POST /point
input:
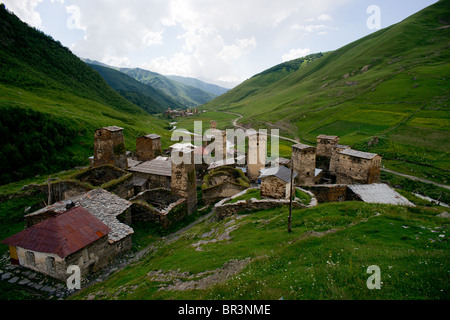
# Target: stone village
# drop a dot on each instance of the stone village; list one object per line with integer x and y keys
{"x": 88, "y": 227}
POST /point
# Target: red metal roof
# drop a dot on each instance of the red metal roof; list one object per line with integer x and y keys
{"x": 63, "y": 234}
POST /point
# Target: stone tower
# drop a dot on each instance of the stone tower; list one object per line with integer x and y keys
{"x": 183, "y": 181}
{"x": 256, "y": 155}
{"x": 304, "y": 163}
{"x": 109, "y": 147}
{"x": 148, "y": 147}
{"x": 325, "y": 145}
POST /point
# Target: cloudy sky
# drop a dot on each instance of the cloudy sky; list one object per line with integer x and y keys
{"x": 222, "y": 42}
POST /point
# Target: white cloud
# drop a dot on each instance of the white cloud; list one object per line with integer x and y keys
{"x": 239, "y": 48}
{"x": 295, "y": 54}
{"x": 25, "y": 10}
{"x": 153, "y": 38}
{"x": 324, "y": 17}
{"x": 74, "y": 19}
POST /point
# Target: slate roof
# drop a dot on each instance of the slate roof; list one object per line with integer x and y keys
{"x": 62, "y": 234}
{"x": 282, "y": 173}
{"x": 323, "y": 136}
{"x": 103, "y": 205}
{"x": 161, "y": 166}
{"x": 113, "y": 128}
{"x": 302, "y": 146}
{"x": 358, "y": 154}
{"x": 379, "y": 193}
{"x": 153, "y": 136}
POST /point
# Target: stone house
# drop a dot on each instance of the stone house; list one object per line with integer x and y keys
{"x": 276, "y": 182}
{"x": 109, "y": 208}
{"x": 223, "y": 182}
{"x": 74, "y": 237}
{"x": 304, "y": 163}
{"x": 357, "y": 167}
{"x": 109, "y": 147}
{"x": 148, "y": 147}
{"x": 334, "y": 160}
{"x": 156, "y": 173}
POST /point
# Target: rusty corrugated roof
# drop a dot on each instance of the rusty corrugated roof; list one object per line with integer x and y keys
{"x": 63, "y": 234}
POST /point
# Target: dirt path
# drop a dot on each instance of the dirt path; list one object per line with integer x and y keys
{"x": 234, "y": 122}
{"x": 417, "y": 178}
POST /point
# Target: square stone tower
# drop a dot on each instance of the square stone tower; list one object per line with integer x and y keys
{"x": 148, "y": 147}
{"x": 183, "y": 182}
{"x": 256, "y": 154}
{"x": 304, "y": 164}
{"x": 109, "y": 147}
{"x": 325, "y": 145}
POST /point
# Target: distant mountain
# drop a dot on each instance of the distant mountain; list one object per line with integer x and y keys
{"x": 211, "y": 88}
{"x": 142, "y": 95}
{"x": 51, "y": 102}
{"x": 186, "y": 95}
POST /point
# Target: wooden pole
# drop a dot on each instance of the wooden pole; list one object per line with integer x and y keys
{"x": 290, "y": 198}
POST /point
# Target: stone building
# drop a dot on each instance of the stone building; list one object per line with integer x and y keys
{"x": 91, "y": 226}
{"x": 304, "y": 164}
{"x": 158, "y": 206}
{"x": 75, "y": 237}
{"x": 184, "y": 181}
{"x": 357, "y": 167}
{"x": 334, "y": 160}
{"x": 109, "y": 147}
{"x": 276, "y": 182}
{"x": 256, "y": 154}
{"x": 223, "y": 182}
{"x": 156, "y": 173}
{"x": 148, "y": 147}
{"x": 325, "y": 145}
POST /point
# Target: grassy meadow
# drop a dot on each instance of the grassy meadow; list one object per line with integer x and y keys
{"x": 325, "y": 257}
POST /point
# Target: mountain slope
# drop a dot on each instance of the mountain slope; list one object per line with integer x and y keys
{"x": 186, "y": 95}
{"x": 51, "y": 103}
{"x": 144, "y": 96}
{"x": 392, "y": 84}
{"x": 211, "y": 88}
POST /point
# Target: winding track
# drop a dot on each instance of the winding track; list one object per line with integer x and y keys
{"x": 235, "y": 124}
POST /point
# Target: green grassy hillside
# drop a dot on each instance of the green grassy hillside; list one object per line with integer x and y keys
{"x": 252, "y": 256}
{"x": 393, "y": 84}
{"x": 51, "y": 103}
{"x": 144, "y": 96}
{"x": 186, "y": 95}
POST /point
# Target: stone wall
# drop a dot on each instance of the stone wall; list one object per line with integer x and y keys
{"x": 223, "y": 209}
{"x": 59, "y": 190}
{"x": 273, "y": 187}
{"x": 304, "y": 162}
{"x": 355, "y": 170}
{"x": 100, "y": 175}
{"x": 335, "y": 158}
{"x": 256, "y": 155}
{"x": 325, "y": 145}
{"x": 332, "y": 193}
{"x": 158, "y": 206}
{"x": 148, "y": 147}
{"x": 221, "y": 191}
{"x": 184, "y": 183}
{"x": 109, "y": 147}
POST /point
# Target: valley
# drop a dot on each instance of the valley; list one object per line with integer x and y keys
{"x": 74, "y": 128}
